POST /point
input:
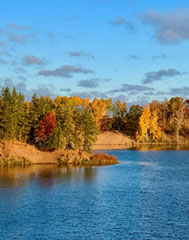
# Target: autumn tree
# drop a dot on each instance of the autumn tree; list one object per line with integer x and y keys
{"x": 73, "y": 122}
{"x": 164, "y": 113}
{"x": 154, "y": 128}
{"x": 144, "y": 124}
{"x": 177, "y": 107}
{"x": 119, "y": 115}
{"x": 98, "y": 109}
{"x": 46, "y": 128}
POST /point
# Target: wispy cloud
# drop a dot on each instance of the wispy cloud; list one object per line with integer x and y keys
{"x": 17, "y": 38}
{"x": 121, "y": 21}
{"x": 40, "y": 90}
{"x": 151, "y": 77}
{"x": 18, "y": 27}
{"x": 20, "y": 70}
{"x": 92, "y": 82}
{"x": 80, "y": 54}
{"x": 33, "y": 60}
{"x": 91, "y": 94}
{"x": 5, "y": 53}
{"x": 183, "y": 91}
{"x": 132, "y": 57}
{"x": 22, "y": 78}
{"x": 89, "y": 83}
{"x": 131, "y": 87}
{"x": 51, "y": 35}
{"x": 2, "y": 61}
{"x": 2, "y": 43}
{"x": 65, "y": 89}
{"x": 169, "y": 27}
{"x": 66, "y": 71}
{"x": 161, "y": 56}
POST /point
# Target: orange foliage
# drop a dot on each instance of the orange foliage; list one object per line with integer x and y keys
{"x": 98, "y": 108}
{"x": 46, "y": 126}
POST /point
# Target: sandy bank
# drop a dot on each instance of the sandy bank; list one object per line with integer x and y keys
{"x": 16, "y": 153}
{"x": 113, "y": 140}
{"x": 117, "y": 140}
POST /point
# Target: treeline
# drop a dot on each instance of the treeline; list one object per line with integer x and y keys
{"x": 48, "y": 124}
{"x": 73, "y": 122}
{"x": 157, "y": 121}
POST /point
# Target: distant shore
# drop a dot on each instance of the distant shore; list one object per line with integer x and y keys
{"x": 115, "y": 140}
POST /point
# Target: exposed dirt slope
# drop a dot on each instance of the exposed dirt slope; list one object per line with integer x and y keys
{"x": 16, "y": 153}
{"x": 113, "y": 140}
{"x": 117, "y": 140}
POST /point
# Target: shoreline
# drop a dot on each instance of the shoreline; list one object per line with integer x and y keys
{"x": 118, "y": 141}
{"x": 140, "y": 147}
{"x": 14, "y": 153}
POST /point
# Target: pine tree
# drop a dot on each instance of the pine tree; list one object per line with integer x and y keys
{"x": 89, "y": 130}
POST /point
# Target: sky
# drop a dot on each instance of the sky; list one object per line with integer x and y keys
{"x": 132, "y": 50}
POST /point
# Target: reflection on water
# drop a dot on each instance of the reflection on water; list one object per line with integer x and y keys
{"x": 45, "y": 175}
{"x": 146, "y": 196}
{"x": 160, "y": 147}
{"x": 147, "y": 147}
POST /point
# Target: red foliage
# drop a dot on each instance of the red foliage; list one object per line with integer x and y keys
{"x": 46, "y": 126}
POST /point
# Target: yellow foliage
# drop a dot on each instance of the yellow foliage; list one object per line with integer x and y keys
{"x": 144, "y": 122}
{"x": 148, "y": 124}
{"x": 120, "y": 108}
{"x": 85, "y": 102}
{"x": 27, "y": 104}
{"x": 155, "y": 130}
{"x": 98, "y": 108}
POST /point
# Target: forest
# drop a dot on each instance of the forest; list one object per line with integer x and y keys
{"x": 74, "y": 123}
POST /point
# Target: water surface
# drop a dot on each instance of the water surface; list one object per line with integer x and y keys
{"x": 146, "y": 196}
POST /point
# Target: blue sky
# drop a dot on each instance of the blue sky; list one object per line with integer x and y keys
{"x": 129, "y": 49}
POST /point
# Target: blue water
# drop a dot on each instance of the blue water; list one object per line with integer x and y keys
{"x": 146, "y": 196}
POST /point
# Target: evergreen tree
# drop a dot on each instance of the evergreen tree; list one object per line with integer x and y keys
{"x": 89, "y": 130}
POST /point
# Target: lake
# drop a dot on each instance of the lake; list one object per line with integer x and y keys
{"x": 145, "y": 196}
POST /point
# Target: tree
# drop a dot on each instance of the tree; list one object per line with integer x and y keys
{"x": 132, "y": 119}
{"x": 77, "y": 129}
{"x": 119, "y": 115}
{"x": 98, "y": 109}
{"x": 89, "y": 130}
{"x": 144, "y": 124}
{"x": 154, "y": 129}
{"x": 7, "y": 117}
{"x": 164, "y": 112}
{"x": 46, "y": 127}
{"x": 177, "y": 107}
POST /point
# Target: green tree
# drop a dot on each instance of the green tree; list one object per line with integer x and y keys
{"x": 132, "y": 119}
{"x": 89, "y": 130}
